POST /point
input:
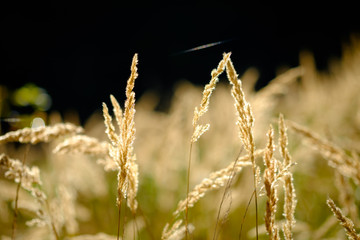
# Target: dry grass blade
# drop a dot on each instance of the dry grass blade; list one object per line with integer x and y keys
{"x": 40, "y": 134}
{"x": 344, "y": 221}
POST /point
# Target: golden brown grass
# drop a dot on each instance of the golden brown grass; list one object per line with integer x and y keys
{"x": 270, "y": 187}
{"x": 344, "y": 221}
{"x": 40, "y": 134}
{"x": 289, "y": 189}
{"x": 199, "y": 129}
{"x": 345, "y": 164}
{"x": 245, "y": 124}
{"x": 63, "y": 194}
{"x": 121, "y": 148}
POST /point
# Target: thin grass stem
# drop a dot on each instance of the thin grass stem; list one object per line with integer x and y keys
{"x": 256, "y": 206}
{"x": 246, "y": 210}
{"x": 52, "y": 221}
{"x": 17, "y": 195}
{"x": 226, "y": 190}
{"x": 187, "y": 193}
{"x": 119, "y": 220}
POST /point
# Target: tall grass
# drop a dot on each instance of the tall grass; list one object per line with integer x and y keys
{"x": 176, "y": 182}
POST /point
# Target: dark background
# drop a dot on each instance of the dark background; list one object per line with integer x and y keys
{"x": 81, "y": 53}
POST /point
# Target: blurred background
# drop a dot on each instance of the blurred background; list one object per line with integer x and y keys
{"x": 67, "y": 57}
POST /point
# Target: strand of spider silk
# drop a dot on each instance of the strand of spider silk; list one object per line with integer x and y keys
{"x": 17, "y": 194}
{"x": 227, "y": 187}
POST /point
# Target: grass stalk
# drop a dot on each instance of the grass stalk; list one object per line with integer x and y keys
{"x": 119, "y": 221}
{"x": 226, "y": 191}
{"x": 256, "y": 205}
{"x": 13, "y": 229}
{"x": 246, "y": 210}
{"x": 52, "y": 221}
{"x": 187, "y": 194}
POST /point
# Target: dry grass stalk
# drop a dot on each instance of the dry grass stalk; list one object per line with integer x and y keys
{"x": 176, "y": 232}
{"x": 199, "y": 129}
{"x": 29, "y": 179}
{"x": 67, "y": 207}
{"x": 344, "y": 221}
{"x": 223, "y": 215}
{"x": 245, "y": 123}
{"x": 40, "y": 134}
{"x": 277, "y": 86}
{"x": 214, "y": 181}
{"x": 121, "y": 148}
{"x": 243, "y": 109}
{"x": 267, "y": 98}
{"x": 338, "y": 159}
{"x": 270, "y": 187}
{"x": 346, "y": 196}
{"x": 209, "y": 88}
{"x": 98, "y": 236}
{"x": 328, "y": 224}
{"x": 82, "y": 144}
{"x": 88, "y": 145}
{"x": 290, "y": 195}
{"x": 17, "y": 194}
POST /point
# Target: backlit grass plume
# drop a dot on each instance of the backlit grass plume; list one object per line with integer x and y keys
{"x": 337, "y": 158}
{"x": 289, "y": 189}
{"x": 347, "y": 224}
{"x": 59, "y": 192}
{"x": 121, "y": 149}
{"x": 40, "y": 134}
{"x": 199, "y": 129}
{"x": 245, "y": 123}
{"x": 270, "y": 187}
{"x": 29, "y": 179}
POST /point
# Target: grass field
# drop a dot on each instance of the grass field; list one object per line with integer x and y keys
{"x": 224, "y": 162}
